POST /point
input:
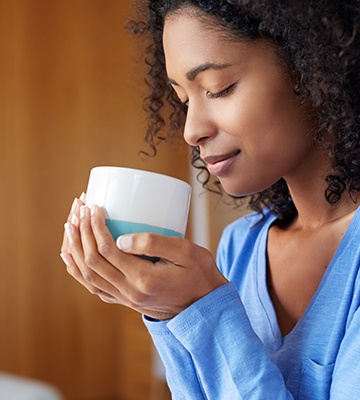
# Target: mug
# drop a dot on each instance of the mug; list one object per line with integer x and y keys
{"x": 139, "y": 201}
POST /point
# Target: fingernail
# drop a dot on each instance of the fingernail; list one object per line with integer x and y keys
{"x": 74, "y": 220}
{"x": 82, "y": 211}
{"x": 124, "y": 242}
{"x": 74, "y": 204}
{"x": 83, "y": 197}
{"x": 68, "y": 229}
{"x": 66, "y": 258}
{"x": 93, "y": 210}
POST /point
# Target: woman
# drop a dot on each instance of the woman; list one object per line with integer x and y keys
{"x": 267, "y": 96}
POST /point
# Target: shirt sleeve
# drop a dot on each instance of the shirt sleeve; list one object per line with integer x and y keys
{"x": 181, "y": 374}
{"x": 227, "y": 356}
{"x": 210, "y": 349}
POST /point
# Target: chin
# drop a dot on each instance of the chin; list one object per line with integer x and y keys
{"x": 235, "y": 192}
{"x": 239, "y": 191}
{"x": 245, "y": 188}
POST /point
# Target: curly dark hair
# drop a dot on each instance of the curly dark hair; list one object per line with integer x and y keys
{"x": 318, "y": 40}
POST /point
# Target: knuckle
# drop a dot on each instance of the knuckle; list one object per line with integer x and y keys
{"x": 136, "y": 300}
{"x": 94, "y": 290}
{"x": 208, "y": 257}
{"x": 89, "y": 276}
{"x": 149, "y": 285}
{"x": 145, "y": 241}
{"x": 105, "y": 248}
{"x": 91, "y": 259}
{"x": 106, "y": 298}
{"x": 188, "y": 249}
{"x": 146, "y": 288}
{"x": 64, "y": 246}
{"x": 72, "y": 270}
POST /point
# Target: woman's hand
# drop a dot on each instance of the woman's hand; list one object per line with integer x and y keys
{"x": 184, "y": 273}
{"x": 73, "y": 218}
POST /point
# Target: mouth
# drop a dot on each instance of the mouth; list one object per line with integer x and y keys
{"x": 218, "y": 165}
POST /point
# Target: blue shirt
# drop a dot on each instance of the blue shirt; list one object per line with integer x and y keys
{"x": 228, "y": 344}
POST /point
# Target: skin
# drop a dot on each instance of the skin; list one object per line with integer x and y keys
{"x": 243, "y": 112}
{"x": 184, "y": 274}
{"x": 251, "y": 130}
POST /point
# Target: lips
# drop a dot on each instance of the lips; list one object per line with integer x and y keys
{"x": 219, "y": 164}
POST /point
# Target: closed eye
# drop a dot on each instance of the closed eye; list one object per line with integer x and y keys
{"x": 224, "y": 92}
{"x": 210, "y": 95}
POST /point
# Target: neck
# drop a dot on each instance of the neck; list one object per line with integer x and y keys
{"x": 308, "y": 195}
{"x": 315, "y": 211}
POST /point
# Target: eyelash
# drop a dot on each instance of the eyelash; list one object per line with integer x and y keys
{"x": 212, "y": 96}
{"x": 220, "y": 94}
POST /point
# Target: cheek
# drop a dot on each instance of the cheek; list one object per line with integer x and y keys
{"x": 253, "y": 109}
{"x": 270, "y": 125}
{"x": 248, "y": 121}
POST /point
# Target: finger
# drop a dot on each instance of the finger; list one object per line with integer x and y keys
{"x": 75, "y": 208}
{"x": 96, "y": 269}
{"x": 89, "y": 278}
{"x": 70, "y": 219}
{"x": 73, "y": 218}
{"x": 106, "y": 244}
{"x": 74, "y": 271}
{"x": 133, "y": 275}
{"x": 82, "y": 198}
{"x": 65, "y": 246}
{"x": 173, "y": 249}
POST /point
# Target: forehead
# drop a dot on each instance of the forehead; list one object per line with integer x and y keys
{"x": 189, "y": 37}
{"x": 191, "y": 40}
{"x": 188, "y": 23}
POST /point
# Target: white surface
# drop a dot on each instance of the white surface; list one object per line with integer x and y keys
{"x": 13, "y": 387}
{"x": 140, "y": 196}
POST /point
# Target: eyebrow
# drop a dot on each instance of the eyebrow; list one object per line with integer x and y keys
{"x": 193, "y": 73}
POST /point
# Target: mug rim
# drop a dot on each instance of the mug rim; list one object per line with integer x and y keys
{"x": 140, "y": 171}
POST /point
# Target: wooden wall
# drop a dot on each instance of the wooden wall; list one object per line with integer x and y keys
{"x": 70, "y": 99}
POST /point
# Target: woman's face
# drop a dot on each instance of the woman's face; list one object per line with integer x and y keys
{"x": 242, "y": 111}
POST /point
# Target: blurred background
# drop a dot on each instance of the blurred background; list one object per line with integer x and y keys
{"x": 70, "y": 99}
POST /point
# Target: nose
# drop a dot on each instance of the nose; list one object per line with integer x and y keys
{"x": 199, "y": 125}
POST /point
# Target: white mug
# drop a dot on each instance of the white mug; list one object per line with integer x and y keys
{"x": 139, "y": 201}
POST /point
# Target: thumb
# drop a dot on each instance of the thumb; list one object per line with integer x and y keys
{"x": 129, "y": 244}
{"x": 146, "y": 243}
{"x": 174, "y": 249}
{"x": 125, "y": 243}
